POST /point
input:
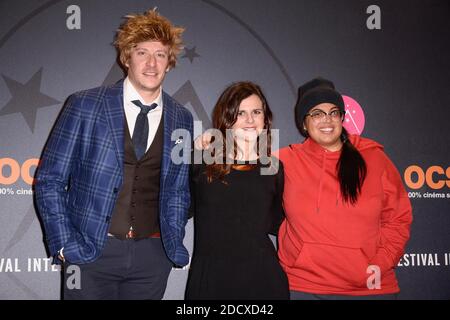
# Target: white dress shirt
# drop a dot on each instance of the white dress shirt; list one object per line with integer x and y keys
{"x": 132, "y": 110}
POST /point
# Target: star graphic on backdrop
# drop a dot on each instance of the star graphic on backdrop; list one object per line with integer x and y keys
{"x": 191, "y": 54}
{"x": 27, "y": 98}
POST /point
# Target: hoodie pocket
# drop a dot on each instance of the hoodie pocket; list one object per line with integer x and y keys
{"x": 333, "y": 266}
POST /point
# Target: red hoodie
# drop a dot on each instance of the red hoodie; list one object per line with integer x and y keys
{"x": 325, "y": 245}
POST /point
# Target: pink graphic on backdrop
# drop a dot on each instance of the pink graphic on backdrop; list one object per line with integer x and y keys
{"x": 354, "y": 116}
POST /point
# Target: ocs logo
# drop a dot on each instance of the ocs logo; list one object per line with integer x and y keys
{"x": 16, "y": 171}
{"x": 434, "y": 177}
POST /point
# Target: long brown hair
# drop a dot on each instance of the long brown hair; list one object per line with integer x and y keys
{"x": 225, "y": 115}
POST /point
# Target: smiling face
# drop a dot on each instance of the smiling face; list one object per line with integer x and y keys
{"x": 250, "y": 118}
{"x": 326, "y": 131}
{"x": 147, "y": 67}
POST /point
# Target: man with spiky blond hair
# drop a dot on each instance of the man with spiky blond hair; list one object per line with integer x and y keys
{"x": 113, "y": 204}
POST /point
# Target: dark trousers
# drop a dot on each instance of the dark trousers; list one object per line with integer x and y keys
{"x": 126, "y": 270}
{"x": 298, "y": 295}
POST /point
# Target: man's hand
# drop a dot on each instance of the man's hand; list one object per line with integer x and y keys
{"x": 203, "y": 141}
{"x": 61, "y": 255}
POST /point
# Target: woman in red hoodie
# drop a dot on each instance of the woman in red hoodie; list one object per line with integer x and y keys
{"x": 347, "y": 213}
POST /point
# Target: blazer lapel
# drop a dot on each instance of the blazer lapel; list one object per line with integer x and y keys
{"x": 169, "y": 126}
{"x": 116, "y": 117}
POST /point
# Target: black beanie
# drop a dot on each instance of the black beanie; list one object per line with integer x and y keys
{"x": 312, "y": 93}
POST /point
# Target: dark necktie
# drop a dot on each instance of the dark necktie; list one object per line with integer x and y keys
{"x": 140, "y": 132}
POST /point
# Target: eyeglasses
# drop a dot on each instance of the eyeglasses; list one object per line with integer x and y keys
{"x": 319, "y": 115}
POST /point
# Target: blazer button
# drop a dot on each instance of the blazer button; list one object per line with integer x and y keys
{"x": 133, "y": 204}
{"x": 116, "y": 190}
{"x": 136, "y": 178}
{"x": 107, "y": 219}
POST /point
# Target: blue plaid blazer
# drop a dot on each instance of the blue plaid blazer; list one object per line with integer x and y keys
{"x": 81, "y": 171}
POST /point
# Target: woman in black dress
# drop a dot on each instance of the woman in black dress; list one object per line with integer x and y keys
{"x": 236, "y": 202}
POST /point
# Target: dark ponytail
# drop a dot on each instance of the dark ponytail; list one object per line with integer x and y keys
{"x": 351, "y": 170}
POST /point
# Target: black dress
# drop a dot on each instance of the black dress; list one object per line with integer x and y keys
{"x": 234, "y": 258}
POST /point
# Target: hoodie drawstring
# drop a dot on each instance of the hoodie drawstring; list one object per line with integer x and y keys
{"x": 337, "y": 192}
{"x": 322, "y": 172}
